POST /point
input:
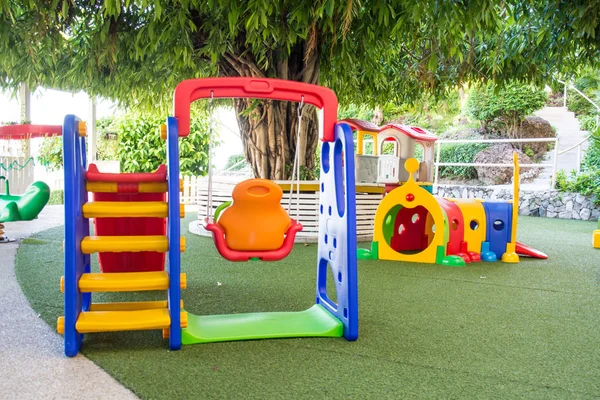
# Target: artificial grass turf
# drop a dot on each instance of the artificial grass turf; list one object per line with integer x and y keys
{"x": 486, "y": 330}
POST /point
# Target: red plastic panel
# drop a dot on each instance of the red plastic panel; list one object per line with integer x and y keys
{"x": 93, "y": 175}
{"x": 28, "y": 131}
{"x": 260, "y": 88}
{"x": 360, "y": 125}
{"x": 271, "y": 255}
{"x": 456, "y": 227}
{"x": 409, "y": 230}
{"x": 130, "y": 262}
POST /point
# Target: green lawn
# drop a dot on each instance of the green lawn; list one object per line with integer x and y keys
{"x": 527, "y": 330}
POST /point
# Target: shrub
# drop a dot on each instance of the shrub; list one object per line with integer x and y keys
{"x": 586, "y": 183}
{"x": 142, "y": 150}
{"x": 591, "y": 159}
{"x": 57, "y": 197}
{"x": 50, "y": 153}
{"x": 509, "y": 105}
{"x": 459, "y": 153}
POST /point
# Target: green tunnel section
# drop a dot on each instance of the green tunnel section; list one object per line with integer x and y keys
{"x": 314, "y": 322}
{"x": 24, "y": 207}
{"x": 389, "y": 222}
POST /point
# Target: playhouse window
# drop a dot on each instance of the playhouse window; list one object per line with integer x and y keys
{"x": 390, "y": 147}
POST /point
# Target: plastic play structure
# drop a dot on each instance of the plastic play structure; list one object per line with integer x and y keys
{"x": 596, "y": 237}
{"x": 413, "y": 225}
{"x": 138, "y": 240}
{"x": 27, "y": 206}
{"x": 389, "y": 168}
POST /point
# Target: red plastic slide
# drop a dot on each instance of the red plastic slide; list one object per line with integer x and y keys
{"x": 127, "y": 190}
{"x": 524, "y": 250}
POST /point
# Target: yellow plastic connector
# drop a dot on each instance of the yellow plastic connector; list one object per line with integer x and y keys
{"x": 596, "y": 239}
{"x": 62, "y": 284}
{"x": 82, "y": 128}
{"x": 180, "y": 185}
{"x": 60, "y": 325}
{"x": 163, "y": 132}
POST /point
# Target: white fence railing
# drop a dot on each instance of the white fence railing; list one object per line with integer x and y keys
{"x": 439, "y": 164}
{"x": 195, "y": 191}
{"x": 18, "y": 171}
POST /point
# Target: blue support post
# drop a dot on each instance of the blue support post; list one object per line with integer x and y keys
{"x": 174, "y": 233}
{"x": 76, "y": 228}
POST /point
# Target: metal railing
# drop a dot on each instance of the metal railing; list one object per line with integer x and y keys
{"x": 439, "y": 164}
{"x": 587, "y": 138}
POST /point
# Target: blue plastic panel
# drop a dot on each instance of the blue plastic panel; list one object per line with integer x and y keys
{"x": 337, "y": 230}
{"x": 173, "y": 232}
{"x": 76, "y": 228}
{"x": 499, "y": 222}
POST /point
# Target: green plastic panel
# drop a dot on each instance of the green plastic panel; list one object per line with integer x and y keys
{"x": 314, "y": 322}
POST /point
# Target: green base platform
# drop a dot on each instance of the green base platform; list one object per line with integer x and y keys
{"x": 314, "y": 322}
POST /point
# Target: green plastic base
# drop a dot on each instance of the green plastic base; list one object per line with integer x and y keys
{"x": 314, "y": 322}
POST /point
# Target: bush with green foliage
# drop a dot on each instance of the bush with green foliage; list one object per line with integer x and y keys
{"x": 57, "y": 197}
{"x": 591, "y": 159}
{"x": 459, "y": 153}
{"x": 50, "y": 152}
{"x": 234, "y": 162}
{"x": 585, "y": 183}
{"x": 508, "y": 105}
{"x": 142, "y": 150}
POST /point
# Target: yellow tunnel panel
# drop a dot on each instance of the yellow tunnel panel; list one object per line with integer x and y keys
{"x": 475, "y": 222}
{"x": 410, "y": 195}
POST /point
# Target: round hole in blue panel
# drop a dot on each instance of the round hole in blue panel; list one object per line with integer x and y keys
{"x": 334, "y": 243}
{"x": 325, "y": 157}
{"x": 498, "y": 224}
{"x": 340, "y": 184}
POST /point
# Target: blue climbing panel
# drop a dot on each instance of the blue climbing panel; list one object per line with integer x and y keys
{"x": 499, "y": 222}
{"x": 337, "y": 230}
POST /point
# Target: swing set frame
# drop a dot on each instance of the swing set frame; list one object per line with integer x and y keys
{"x": 336, "y": 258}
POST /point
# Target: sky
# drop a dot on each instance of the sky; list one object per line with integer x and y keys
{"x": 49, "y": 107}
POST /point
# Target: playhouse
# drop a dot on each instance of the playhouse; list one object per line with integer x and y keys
{"x": 385, "y": 166}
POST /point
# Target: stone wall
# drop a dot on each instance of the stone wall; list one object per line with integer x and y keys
{"x": 544, "y": 203}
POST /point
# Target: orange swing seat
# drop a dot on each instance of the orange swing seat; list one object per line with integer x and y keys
{"x": 255, "y": 225}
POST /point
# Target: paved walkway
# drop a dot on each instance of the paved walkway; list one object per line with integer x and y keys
{"x": 569, "y": 134}
{"x": 32, "y": 363}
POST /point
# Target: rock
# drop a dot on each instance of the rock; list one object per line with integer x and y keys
{"x": 585, "y": 214}
{"x": 532, "y": 128}
{"x": 569, "y": 205}
{"x": 551, "y": 214}
{"x": 564, "y": 214}
{"x": 579, "y": 198}
{"x": 575, "y": 215}
{"x": 498, "y": 154}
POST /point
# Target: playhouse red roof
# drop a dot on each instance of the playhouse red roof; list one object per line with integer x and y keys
{"x": 28, "y": 131}
{"x": 413, "y": 132}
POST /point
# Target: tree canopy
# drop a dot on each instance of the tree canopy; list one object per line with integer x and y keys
{"x": 367, "y": 51}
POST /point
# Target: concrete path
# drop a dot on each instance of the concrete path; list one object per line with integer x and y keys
{"x": 569, "y": 134}
{"x": 32, "y": 363}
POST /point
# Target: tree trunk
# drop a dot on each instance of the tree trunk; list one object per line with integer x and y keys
{"x": 268, "y": 128}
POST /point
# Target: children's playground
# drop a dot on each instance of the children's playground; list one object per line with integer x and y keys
{"x": 446, "y": 301}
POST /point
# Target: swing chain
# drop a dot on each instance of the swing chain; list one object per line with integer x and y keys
{"x": 296, "y": 167}
{"x": 210, "y": 160}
